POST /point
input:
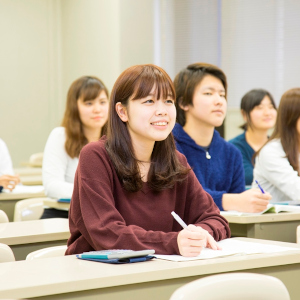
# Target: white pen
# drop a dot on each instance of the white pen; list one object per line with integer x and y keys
{"x": 179, "y": 220}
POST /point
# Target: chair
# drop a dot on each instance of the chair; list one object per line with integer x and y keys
{"x": 233, "y": 286}
{"x": 47, "y": 252}
{"x": 29, "y": 209}
{"x": 3, "y": 217}
{"x": 6, "y": 254}
{"x": 36, "y": 159}
{"x": 298, "y": 234}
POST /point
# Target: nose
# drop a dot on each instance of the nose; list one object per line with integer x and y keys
{"x": 97, "y": 107}
{"x": 219, "y": 100}
{"x": 160, "y": 108}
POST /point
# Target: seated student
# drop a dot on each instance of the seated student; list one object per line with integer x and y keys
{"x": 201, "y": 106}
{"x": 7, "y": 178}
{"x": 259, "y": 112}
{"x": 128, "y": 183}
{"x": 277, "y": 163}
{"x": 85, "y": 116}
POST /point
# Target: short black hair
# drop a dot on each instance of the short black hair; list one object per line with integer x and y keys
{"x": 186, "y": 82}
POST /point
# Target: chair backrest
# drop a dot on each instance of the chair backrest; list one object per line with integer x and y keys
{"x": 233, "y": 286}
{"x": 3, "y": 217}
{"x": 298, "y": 234}
{"x": 6, "y": 254}
{"x": 29, "y": 209}
{"x": 47, "y": 252}
{"x": 36, "y": 159}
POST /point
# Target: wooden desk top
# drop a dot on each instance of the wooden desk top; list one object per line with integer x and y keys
{"x": 54, "y": 204}
{"x": 16, "y": 233}
{"x": 22, "y": 192}
{"x": 31, "y": 179}
{"x": 264, "y": 218}
{"x": 69, "y": 274}
{"x": 28, "y": 171}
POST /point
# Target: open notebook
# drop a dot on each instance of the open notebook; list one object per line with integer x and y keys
{"x": 272, "y": 208}
{"x": 20, "y": 189}
{"x": 230, "y": 247}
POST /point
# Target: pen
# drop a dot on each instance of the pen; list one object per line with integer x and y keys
{"x": 259, "y": 187}
{"x": 179, "y": 220}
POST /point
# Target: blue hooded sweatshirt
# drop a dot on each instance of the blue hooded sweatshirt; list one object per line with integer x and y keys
{"x": 220, "y": 171}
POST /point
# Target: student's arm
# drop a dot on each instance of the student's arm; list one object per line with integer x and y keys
{"x": 275, "y": 167}
{"x": 55, "y": 165}
{"x": 237, "y": 198}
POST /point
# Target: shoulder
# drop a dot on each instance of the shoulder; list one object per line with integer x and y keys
{"x": 229, "y": 148}
{"x": 94, "y": 149}
{"x": 58, "y": 132}
{"x": 2, "y": 144}
{"x": 182, "y": 159}
{"x": 272, "y": 147}
{"x": 240, "y": 139}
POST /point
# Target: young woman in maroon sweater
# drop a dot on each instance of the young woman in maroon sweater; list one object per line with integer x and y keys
{"x": 128, "y": 183}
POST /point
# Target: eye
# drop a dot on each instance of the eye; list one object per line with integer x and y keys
{"x": 148, "y": 101}
{"x": 103, "y": 102}
{"x": 222, "y": 95}
{"x": 170, "y": 101}
{"x": 207, "y": 93}
{"x": 88, "y": 103}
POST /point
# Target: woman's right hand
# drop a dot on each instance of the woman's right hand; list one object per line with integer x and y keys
{"x": 9, "y": 181}
{"x": 193, "y": 239}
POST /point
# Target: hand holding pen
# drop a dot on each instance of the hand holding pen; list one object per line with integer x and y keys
{"x": 192, "y": 239}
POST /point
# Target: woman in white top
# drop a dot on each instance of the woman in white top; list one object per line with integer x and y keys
{"x": 277, "y": 163}
{"x": 84, "y": 121}
{"x": 7, "y": 178}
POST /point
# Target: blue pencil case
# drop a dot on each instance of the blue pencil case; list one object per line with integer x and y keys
{"x": 127, "y": 260}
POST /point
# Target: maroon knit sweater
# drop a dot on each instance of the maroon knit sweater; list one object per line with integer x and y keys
{"x": 103, "y": 215}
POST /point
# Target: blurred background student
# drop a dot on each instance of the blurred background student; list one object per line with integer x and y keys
{"x": 201, "y": 91}
{"x": 259, "y": 113}
{"x": 84, "y": 121}
{"x": 7, "y": 178}
{"x": 277, "y": 163}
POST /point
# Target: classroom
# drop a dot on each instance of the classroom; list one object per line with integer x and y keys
{"x": 218, "y": 81}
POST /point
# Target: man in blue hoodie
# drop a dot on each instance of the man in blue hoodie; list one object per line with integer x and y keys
{"x": 201, "y": 106}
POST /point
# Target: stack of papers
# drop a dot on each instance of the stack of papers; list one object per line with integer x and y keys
{"x": 230, "y": 247}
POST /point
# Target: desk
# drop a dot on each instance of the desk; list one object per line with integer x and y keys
{"x": 31, "y": 179}
{"x": 25, "y": 237}
{"x": 277, "y": 227}
{"x": 28, "y": 171}
{"x": 69, "y": 278}
{"x": 8, "y": 201}
{"x": 52, "y": 203}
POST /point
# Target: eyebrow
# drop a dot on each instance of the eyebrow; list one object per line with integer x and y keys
{"x": 154, "y": 94}
{"x": 213, "y": 89}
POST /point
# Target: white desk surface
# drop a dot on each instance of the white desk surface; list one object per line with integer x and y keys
{"x": 27, "y": 171}
{"x": 54, "y": 204}
{"x": 16, "y": 233}
{"x": 63, "y": 275}
{"x": 20, "y": 196}
{"x": 264, "y": 218}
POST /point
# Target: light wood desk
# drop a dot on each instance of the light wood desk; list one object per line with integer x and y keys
{"x": 8, "y": 201}
{"x": 31, "y": 180}
{"x": 28, "y": 171}
{"x": 70, "y": 278}
{"x": 52, "y": 203}
{"x": 25, "y": 237}
{"x": 277, "y": 227}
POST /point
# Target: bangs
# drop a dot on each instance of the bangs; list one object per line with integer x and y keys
{"x": 150, "y": 78}
{"x": 90, "y": 90}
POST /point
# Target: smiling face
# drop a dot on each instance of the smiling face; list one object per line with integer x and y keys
{"x": 148, "y": 119}
{"x": 93, "y": 113}
{"x": 263, "y": 116}
{"x": 209, "y": 103}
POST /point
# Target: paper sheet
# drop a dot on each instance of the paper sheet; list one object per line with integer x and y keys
{"x": 23, "y": 189}
{"x": 230, "y": 247}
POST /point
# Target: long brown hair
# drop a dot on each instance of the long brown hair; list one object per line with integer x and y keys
{"x": 188, "y": 79}
{"x": 165, "y": 168}
{"x": 86, "y": 88}
{"x": 285, "y": 129}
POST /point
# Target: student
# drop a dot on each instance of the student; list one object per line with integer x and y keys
{"x": 259, "y": 113}
{"x": 277, "y": 163}
{"x": 201, "y": 106}
{"x": 7, "y": 178}
{"x": 128, "y": 183}
{"x": 85, "y": 116}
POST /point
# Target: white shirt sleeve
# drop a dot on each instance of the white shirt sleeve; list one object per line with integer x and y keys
{"x": 56, "y": 165}
{"x": 273, "y": 165}
{"x": 6, "y": 166}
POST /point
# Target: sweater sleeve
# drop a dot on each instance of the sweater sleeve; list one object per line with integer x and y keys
{"x": 275, "y": 167}
{"x": 99, "y": 221}
{"x": 54, "y": 166}
{"x": 204, "y": 212}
